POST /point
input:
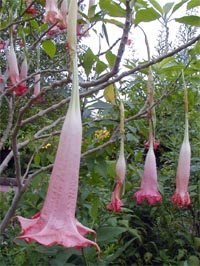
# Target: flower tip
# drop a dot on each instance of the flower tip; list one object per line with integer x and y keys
{"x": 181, "y": 200}
{"x": 152, "y": 199}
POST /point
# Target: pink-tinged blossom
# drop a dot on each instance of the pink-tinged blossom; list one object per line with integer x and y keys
{"x": 181, "y": 196}
{"x": 64, "y": 12}
{"x": 149, "y": 186}
{"x": 24, "y": 71}
{"x": 56, "y": 222}
{"x": 52, "y": 14}
{"x": 13, "y": 66}
{"x": 37, "y": 88}
{"x": 116, "y": 202}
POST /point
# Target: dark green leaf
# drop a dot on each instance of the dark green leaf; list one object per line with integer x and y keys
{"x": 88, "y": 61}
{"x": 100, "y": 67}
{"x": 108, "y": 233}
{"x": 105, "y": 33}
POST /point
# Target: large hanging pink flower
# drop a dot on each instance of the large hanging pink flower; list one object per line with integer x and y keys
{"x": 13, "y": 66}
{"x": 56, "y": 222}
{"x": 149, "y": 186}
{"x": 52, "y": 14}
{"x": 181, "y": 196}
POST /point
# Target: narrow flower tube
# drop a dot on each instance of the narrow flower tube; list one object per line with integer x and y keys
{"x": 64, "y": 12}
{"x": 24, "y": 71}
{"x": 13, "y": 66}
{"x": 116, "y": 203}
{"x": 149, "y": 185}
{"x": 56, "y": 222}
{"x": 37, "y": 85}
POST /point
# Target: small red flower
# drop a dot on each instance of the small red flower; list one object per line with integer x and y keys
{"x": 116, "y": 203}
{"x": 21, "y": 44}
{"x": 67, "y": 46}
{"x": 32, "y": 11}
{"x": 61, "y": 26}
{"x": 2, "y": 45}
{"x": 19, "y": 90}
{"x": 128, "y": 42}
{"x": 155, "y": 144}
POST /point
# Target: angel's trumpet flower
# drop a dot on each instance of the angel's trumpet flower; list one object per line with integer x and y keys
{"x": 52, "y": 14}
{"x": 56, "y": 222}
{"x": 149, "y": 185}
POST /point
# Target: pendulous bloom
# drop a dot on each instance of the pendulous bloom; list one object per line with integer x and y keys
{"x": 149, "y": 186}
{"x": 181, "y": 196}
{"x": 52, "y": 14}
{"x": 116, "y": 202}
{"x": 56, "y": 222}
{"x": 13, "y": 66}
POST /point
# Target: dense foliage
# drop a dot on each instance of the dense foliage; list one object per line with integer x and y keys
{"x": 140, "y": 235}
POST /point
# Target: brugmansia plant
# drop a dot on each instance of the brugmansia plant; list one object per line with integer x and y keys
{"x": 56, "y": 222}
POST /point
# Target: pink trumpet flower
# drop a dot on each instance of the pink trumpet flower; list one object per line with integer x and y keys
{"x": 181, "y": 196}
{"x": 13, "y": 66}
{"x": 24, "y": 71}
{"x": 52, "y": 14}
{"x": 56, "y": 222}
{"x": 116, "y": 202}
{"x": 149, "y": 186}
{"x": 64, "y": 12}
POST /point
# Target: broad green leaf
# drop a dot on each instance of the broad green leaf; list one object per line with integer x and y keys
{"x": 108, "y": 233}
{"x": 193, "y": 261}
{"x": 34, "y": 24}
{"x": 156, "y": 5}
{"x": 190, "y": 20}
{"x": 193, "y": 3}
{"x": 113, "y": 9}
{"x": 110, "y": 58}
{"x": 177, "y": 6}
{"x": 88, "y": 61}
{"x": 100, "y": 67}
{"x": 49, "y": 48}
{"x": 109, "y": 94}
{"x": 146, "y": 15}
{"x": 167, "y": 7}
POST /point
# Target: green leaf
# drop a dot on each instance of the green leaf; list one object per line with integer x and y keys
{"x": 177, "y": 6}
{"x": 190, "y": 20}
{"x": 193, "y": 3}
{"x": 167, "y": 7}
{"x": 88, "y": 61}
{"x": 100, "y": 67}
{"x": 113, "y": 9}
{"x": 49, "y": 48}
{"x": 156, "y": 5}
{"x": 110, "y": 58}
{"x": 108, "y": 233}
{"x": 105, "y": 33}
{"x": 146, "y": 15}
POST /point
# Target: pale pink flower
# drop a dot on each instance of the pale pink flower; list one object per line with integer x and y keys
{"x": 52, "y": 14}
{"x": 24, "y": 71}
{"x": 56, "y": 222}
{"x": 37, "y": 85}
{"x": 149, "y": 186}
{"x": 181, "y": 196}
{"x": 13, "y": 66}
{"x": 64, "y": 12}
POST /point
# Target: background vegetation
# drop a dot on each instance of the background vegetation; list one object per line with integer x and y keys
{"x": 141, "y": 235}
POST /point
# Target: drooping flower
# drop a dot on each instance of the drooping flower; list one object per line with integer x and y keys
{"x": 56, "y": 222}
{"x": 116, "y": 202}
{"x": 149, "y": 186}
{"x": 181, "y": 196}
{"x": 64, "y": 12}
{"x": 13, "y": 66}
{"x": 23, "y": 71}
{"x": 52, "y": 14}
{"x": 37, "y": 88}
